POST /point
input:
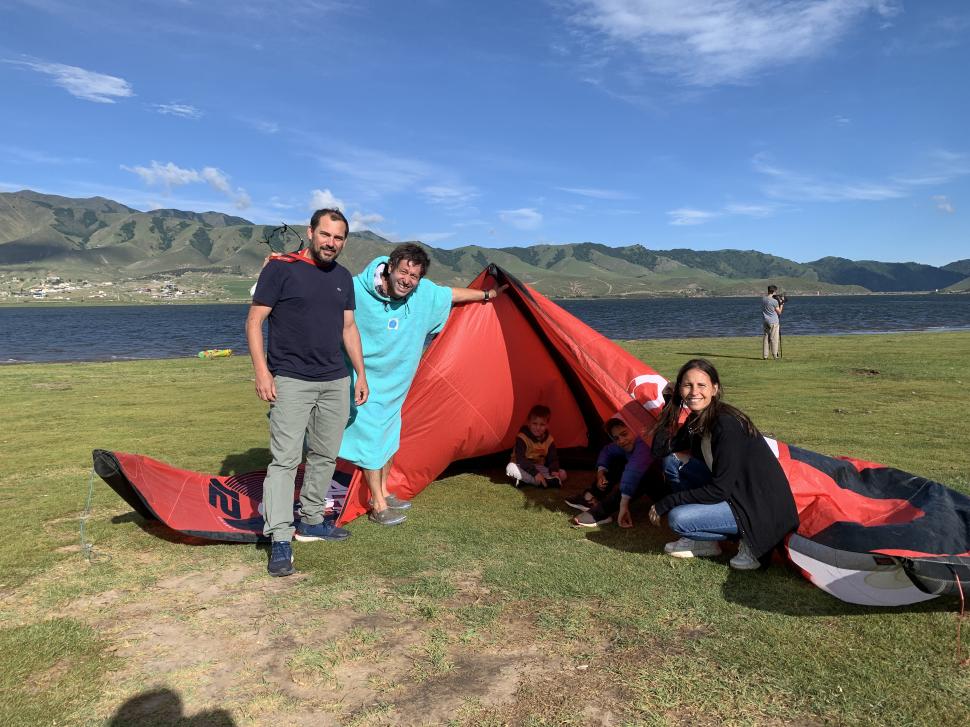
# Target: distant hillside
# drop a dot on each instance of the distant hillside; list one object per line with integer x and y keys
{"x": 103, "y": 239}
{"x": 884, "y": 277}
{"x": 959, "y": 266}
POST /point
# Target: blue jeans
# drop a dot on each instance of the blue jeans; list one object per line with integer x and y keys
{"x": 685, "y": 475}
{"x": 697, "y": 522}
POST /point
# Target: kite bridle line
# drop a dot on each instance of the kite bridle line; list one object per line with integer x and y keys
{"x": 87, "y": 547}
{"x": 280, "y": 233}
{"x": 960, "y": 661}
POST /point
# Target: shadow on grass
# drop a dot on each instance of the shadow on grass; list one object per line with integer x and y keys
{"x": 780, "y": 590}
{"x": 164, "y": 707}
{"x": 703, "y": 354}
{"x": 256, "y": 458}
{"x": 157, "y": 529}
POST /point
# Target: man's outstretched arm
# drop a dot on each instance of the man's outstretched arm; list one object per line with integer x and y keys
{"x": 469, "y": 295}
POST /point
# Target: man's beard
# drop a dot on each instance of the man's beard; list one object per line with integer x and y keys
{"x": 320, "y": 260}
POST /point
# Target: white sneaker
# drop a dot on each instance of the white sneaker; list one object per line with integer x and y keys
{"x": 744, "y": 560}
{"x": 687, "y": 548}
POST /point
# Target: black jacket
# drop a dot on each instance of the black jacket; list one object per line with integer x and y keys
{"x": 749, "y": 478}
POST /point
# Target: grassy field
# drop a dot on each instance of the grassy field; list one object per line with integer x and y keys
{"x": 485, "y": 608}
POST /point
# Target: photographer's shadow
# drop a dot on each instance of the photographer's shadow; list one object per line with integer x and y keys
{"x": 163, "y": 707}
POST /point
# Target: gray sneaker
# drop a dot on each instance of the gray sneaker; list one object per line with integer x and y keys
{"x": 387, "y": 516}
{"x": 396, "y": 503}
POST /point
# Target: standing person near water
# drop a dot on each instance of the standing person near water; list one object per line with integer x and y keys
{"x": 747, "y": 495}
{"x": 771, "y": 309}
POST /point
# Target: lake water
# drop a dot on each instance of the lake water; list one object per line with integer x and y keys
{"x": 106, "y": 333}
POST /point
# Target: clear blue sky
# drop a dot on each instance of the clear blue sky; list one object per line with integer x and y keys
{"x": 802, "y": 128}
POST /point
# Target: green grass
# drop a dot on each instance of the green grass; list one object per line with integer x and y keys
{"x": 484, "y": 583}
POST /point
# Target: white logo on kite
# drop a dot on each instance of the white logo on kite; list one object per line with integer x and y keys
{"x": 648, "y": 389}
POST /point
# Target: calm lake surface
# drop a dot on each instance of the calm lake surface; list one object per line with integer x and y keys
{"x": 106, "y": 333}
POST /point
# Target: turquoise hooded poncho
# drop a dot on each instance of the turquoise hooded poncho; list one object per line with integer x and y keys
{"x": 392, "y": 334}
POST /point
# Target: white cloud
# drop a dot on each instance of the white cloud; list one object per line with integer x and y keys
{"x": 526, "y": 218}
{"x": 842, "y": 120}
{"x": 449, "y": 195}
{"x": 360, "y": 221}
{"x": 380, "y": 172}
{"x": 709, "y": 42}
{"x": 277, "y": 203}
{"x": 941, "y": 167}
{"x": 750, "y": 210}
{"x": 262, "y": 125}
{"x": 165, "y": 175}
{"x": 81, "y": 83}
{"x": 688, "y": 216}
{"x": 375, "y": 173}
{"x": 171, "y": 175}
{"x": 324, "y": 199}
{"x": 24, "y": 155}
{"x": 596, "y": 193}
{"x": 177, "y": 109}
{"x": 685, "y": 216}
{"x": 241, "y": 199}
{"x": 943, "y": 204}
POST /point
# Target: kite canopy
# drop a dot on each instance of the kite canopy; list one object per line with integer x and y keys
{"x": 868, "y": 534}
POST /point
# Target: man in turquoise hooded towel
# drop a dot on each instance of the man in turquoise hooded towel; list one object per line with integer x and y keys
{"x": 396, "y": 311}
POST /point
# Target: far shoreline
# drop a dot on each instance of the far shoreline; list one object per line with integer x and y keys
{"x": 245, "y": 301}
{"x": 947, "y": 331}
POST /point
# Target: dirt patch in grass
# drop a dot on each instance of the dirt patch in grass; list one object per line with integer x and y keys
{"x": 259, "y": 647}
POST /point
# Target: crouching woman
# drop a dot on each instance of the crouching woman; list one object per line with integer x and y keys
{"x": 747, "y": 496}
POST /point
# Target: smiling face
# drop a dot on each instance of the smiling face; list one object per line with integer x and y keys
{"x": 403, "y": 279}
{"x": 697, "y": 391}
{"x": 327, "y": 240}
{"x": 623, "y": 437}
{"x": 538, "y": 426}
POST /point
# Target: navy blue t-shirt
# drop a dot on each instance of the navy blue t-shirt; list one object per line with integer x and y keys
{"x": 307, "y": 321}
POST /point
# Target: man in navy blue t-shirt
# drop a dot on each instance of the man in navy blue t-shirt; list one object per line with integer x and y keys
{"x": 309, "y": 301}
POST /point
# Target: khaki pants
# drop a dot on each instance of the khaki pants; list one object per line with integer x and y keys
{"x": 318, "y": 409}
{"x": 771, "y": 341}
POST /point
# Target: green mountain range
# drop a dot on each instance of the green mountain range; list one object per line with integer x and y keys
{"x": 105, "y": 240}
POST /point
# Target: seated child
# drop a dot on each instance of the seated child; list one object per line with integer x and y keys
{"x": 626, "y": 462}
{"x": 534, "y": 458}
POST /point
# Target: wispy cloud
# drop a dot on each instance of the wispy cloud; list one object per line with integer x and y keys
{"x": 261, "y": 125}
{"x": 940, "y": 167}
{"x": 378, "y": 171}
{"x": 593, "y": 193}
{"x": 943, "y": 204}
{"x": 711, "y": 42}
{"x": 525, "y": 218}
{"x": 451, "y": 196}
{"x": 375, "y": 173}
{"x": 750, "y": 210}
{"x": 79, "y": 82}
{"x": 171, "y": 175}
{"x": 361, "y": 221}
{"x": 185, "y": 111}
{"x": 688, "y": 216}
{"x": 24, "y": 155}
{"x": 324, "y": 199}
